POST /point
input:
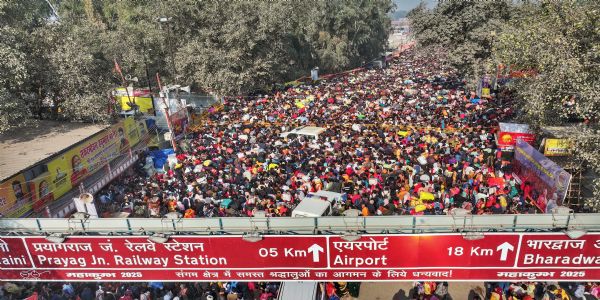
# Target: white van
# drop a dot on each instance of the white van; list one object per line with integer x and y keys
{"x": 309, "y": 131}
{"x": 312, "y": 207}
{"x": 301, "y": 290}
{"x": 316, "y": 204}
{"x": 328, "y": 195}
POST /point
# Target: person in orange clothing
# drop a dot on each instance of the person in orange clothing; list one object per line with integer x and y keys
{"x": 189, "y": 213}
{"x": 172, "y": 205}
{"x": 365, "y": 210}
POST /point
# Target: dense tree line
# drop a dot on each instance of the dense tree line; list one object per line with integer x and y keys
{"x": 558, "y": 40}
{"x": 58, "y": 55}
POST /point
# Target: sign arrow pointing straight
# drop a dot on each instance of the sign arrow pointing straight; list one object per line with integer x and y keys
{"x": 315, "y": 249}
{"x": 504, "y": 248}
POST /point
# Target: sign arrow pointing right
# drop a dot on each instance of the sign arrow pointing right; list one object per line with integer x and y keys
{"x": 504, "y": 248}
{"x": 315, "y": 249}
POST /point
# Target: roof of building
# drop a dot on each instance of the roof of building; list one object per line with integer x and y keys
{"x": 26, "y": 146}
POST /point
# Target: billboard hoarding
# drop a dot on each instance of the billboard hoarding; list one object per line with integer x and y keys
{"x": 15, "y": 197}
{"x": 557, "y": 147}
{"x": 68, "y": 169}
{"x": 42, "y": 191}
{"x": 179, "y": 124}
{"x": 509, "y": 133}
{"x": 141, "y": 97}
{"x": 533, "y": 166}
{"x": 496, "y": 257}
{"x": 507, "y": 140}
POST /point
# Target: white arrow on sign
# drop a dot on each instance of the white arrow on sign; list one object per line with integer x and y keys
{"x": 315, "y": 249}
{"x": 504, "y": 248}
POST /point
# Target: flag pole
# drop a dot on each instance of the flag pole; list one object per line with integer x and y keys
{"x": 118, "y": 68}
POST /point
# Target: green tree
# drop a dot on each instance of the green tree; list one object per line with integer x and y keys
{"x": 83, "y": 76}
{"x": 256, "y": 43}
{"x": 17, "y": 20}
{"x": 561, "y": 41}
{"x": 462, "y": 31}
{"x": 229, "y": 47}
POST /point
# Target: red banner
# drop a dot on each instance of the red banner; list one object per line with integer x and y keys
{"x": 496, "y": 257}
{"x": 179, "y": 123}
{"x": 507, "y": 140}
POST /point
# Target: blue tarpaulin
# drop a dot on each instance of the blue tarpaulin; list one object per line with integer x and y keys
{"x": 160, "y": 157}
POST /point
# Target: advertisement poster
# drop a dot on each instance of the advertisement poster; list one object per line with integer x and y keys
{"x": 533, "y": 166}
{"x": 67, "y": 170}
{"x": 508, "y": 139}
{"x": 14, "y": 197}
{"x": 42, "y": 191}
{"x": 97, "y": 152}
{"x": 509, "y": 133}
{"x": 59, "y": 174}
{"x": 140, "y": 97}
{"x": 557, "y": 147}
{"x": 179, "y": 123}
{"x": 132, "y": 130}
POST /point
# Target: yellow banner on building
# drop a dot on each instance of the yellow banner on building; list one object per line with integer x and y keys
{"x": 42, "y": 191}
{"x": 67, "y": 170}
{"x": 145, "y": 103}
{"x": 58, "y": 170}
{"x": 132, "y": 130}
{"x": 139, "y": 97}
{"x": 557, "y": 147}
{"x": 14, "y": 197}
{"x": 70, "y": 168}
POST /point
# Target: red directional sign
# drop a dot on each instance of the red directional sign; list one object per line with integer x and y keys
{"x": 497, "y": 256}
{"x": 423, "y": 251}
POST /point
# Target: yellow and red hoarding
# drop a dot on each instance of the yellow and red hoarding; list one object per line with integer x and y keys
{"x": 67, "y": 170}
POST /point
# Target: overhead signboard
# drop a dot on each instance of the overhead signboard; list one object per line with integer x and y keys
{"x": 496, "y": 257}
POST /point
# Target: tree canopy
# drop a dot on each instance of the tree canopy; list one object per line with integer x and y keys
{"x": 62, "y": 66}
{"x": 558, "y": 40}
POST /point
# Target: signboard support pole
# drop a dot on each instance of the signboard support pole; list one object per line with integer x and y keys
{"x": 162, "y": 97}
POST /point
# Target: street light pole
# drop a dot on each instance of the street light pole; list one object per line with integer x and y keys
{"x": 147, "y": 69}
{"x": 166, "y": 21}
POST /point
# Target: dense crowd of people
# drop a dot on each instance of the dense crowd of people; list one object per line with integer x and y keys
{"x": 269, "y": 291}
{"x": 542, "y": 290}
{"x": 406, "y": 139}
{"x": 141, "y": 291}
